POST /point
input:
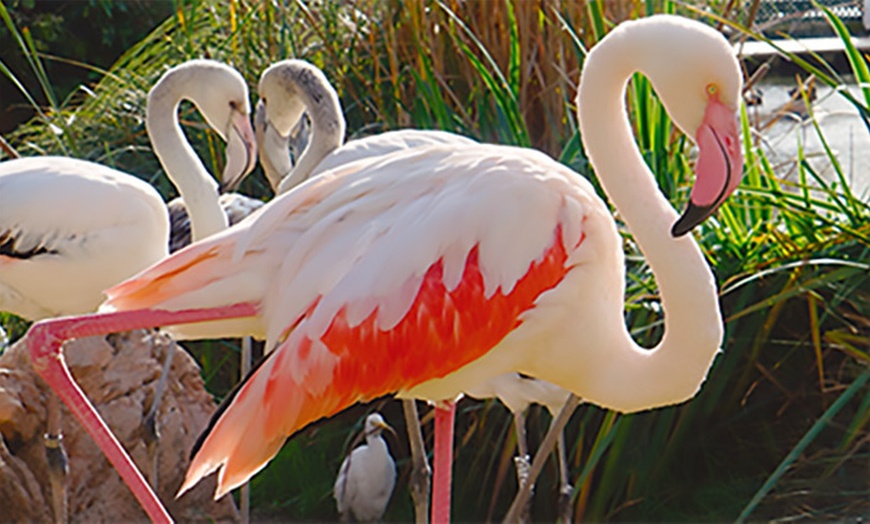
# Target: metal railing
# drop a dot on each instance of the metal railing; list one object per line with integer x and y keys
{"x": 802, "y": 18}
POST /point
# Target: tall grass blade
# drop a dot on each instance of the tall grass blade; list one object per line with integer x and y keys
{"x": 493, "y": 78}
{"x": 856, "y": 59}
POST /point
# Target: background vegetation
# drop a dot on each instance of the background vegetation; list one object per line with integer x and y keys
{"x": 780, "y": 429}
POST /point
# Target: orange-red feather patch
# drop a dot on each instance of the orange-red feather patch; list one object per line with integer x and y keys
{"x": 442, "y": 332}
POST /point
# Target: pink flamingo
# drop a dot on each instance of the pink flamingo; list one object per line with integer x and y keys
{"x": 428, "y": 270}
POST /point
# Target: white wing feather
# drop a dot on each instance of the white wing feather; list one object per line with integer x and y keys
{"x": 275, "y": 153}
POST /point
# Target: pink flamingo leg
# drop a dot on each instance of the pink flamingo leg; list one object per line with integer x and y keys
{"x": 443, "y": 462}
{"x": 44, "y": 341}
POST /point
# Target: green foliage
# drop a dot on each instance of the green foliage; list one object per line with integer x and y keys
{"x": 74, "y": 55}
{"x": 791, "y": 255}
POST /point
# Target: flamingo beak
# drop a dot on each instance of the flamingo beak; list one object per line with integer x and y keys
{"x": 719, "y": 167}
{"x": 241, "y": 152}
{"x": 274, "y": 148}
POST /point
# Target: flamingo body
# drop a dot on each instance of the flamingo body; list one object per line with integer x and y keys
{"x": 378, "y": 145}
{"x": 469, "y": 278}
{"x": 69, "y": 229}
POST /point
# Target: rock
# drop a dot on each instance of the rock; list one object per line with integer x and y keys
{"x": 119, "y": 376}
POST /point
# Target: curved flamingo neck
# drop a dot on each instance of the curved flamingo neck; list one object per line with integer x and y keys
{"x": 197, "y": 187}
{"x": 674, "y": 370}
{"x": 327, "y": 129}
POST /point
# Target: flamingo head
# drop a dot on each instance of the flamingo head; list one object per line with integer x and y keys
{"x": 279, "y": 152}
{"x": 283, "y": 89}
{"x": 222, "y": 97}
{"x": 290, "y": 89}
{"x": 241, "y": 152}
{"x": 695, "y": 72}
{"x": 274, "y": 153}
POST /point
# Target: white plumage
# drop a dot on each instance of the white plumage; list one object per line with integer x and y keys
{"x": 71, "y": 228}
{"x": 367, "y": 476}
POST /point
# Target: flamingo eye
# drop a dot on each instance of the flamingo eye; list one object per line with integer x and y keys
{"x": 712, "y": 89}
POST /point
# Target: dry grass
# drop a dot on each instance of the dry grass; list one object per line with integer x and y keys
{"x": 397, "y": 46}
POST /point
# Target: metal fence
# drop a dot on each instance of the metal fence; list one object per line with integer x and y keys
{"x": 802, "y": 18}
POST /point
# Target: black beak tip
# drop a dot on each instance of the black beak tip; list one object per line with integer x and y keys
{"x": 693, "y": 216}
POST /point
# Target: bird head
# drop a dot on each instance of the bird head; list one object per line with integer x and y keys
{"x": 273, "y": 148}
{"x": 694, "y": 70}
{"x": 375, "y": 424}
{"x": 221, "y": 95}
{"x": 283, "y": 92}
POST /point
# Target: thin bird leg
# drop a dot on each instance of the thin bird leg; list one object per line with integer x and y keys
{"x": 420, "y": 481}
{"x": 58, "y": 464}
{"x": 520, "y": 428}
{"x": 544, "y": 451}
{"x": 566, "y": 490}
{"x": 44, "y": 341}
{"x": 443, "y": 461}
{"x": 245, "y": 368}
{"x": 150, "y": 429}
{"x": 522, "y": 461}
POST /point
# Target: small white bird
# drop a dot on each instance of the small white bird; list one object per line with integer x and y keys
{"x": 367, "y": 476}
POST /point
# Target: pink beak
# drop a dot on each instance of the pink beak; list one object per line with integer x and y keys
{"x": 719, "y": 167}
{"x": 241, "y": 152}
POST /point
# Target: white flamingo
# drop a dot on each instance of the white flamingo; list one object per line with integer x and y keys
{"x": 429, "y": 270}
{"x": 71, "y": 228}
{"x": 294, "y": 86}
